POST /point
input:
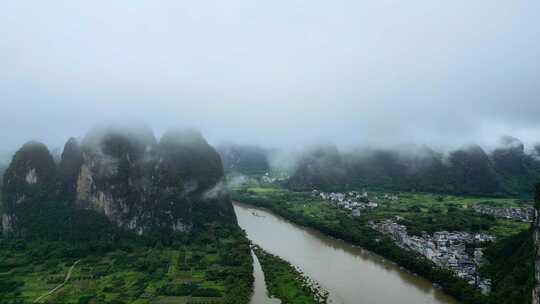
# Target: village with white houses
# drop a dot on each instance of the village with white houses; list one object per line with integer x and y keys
{"x": 352, "y": 201}
{"x": 445, "y": 249}
{"x": 521, "y": 214}
{"x": 270, "y": 179}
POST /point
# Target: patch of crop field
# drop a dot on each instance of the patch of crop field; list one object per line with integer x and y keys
{"x": 442, "y": 203}
{"x": 171, "y": 300}
{"x": 506, "y": 228}
{"x": 204, "y": 300}
{"x": 435, "y": 212}
{"x": 421, "y": 212}
{"x": 196, "y": 272}
{"x": 263, "y": 190}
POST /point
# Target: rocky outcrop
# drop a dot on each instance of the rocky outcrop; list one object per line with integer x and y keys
{"x": 140, "y": 184}
{"x": 68, "y": 170}
{"x": 189, "y": 176}
{"x": 6, "y": 223}
{"x": 144, "y": 185}
{"x": 115, "y": 173}
{"x": 29, "y": 178}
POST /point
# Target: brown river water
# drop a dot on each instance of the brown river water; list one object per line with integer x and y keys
{"x": 350, "y": 274}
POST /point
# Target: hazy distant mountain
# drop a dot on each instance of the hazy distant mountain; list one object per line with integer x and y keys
{"x": 244, "y": 159}
{"x": 517, "y": 170}
{"x": 320, "y": 167}
{"x": 470, "y": 170}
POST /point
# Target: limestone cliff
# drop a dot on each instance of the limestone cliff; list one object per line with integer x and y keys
{"x": 189, "y": 176}
{"x": 69, "y": 169}
{"x": 140, "y": 184}
{"x": 144, "y": 185}
{"x": 114, "y": 177}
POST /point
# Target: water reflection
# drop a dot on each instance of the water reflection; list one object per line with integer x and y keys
{"x": 260, "y": 295}
{"x": 351, "y": 275}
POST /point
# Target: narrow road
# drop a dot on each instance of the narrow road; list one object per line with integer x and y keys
{"x": 68, "y": 276}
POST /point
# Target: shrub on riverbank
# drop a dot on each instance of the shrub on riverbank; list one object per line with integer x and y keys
{"x": 286, "y": 283}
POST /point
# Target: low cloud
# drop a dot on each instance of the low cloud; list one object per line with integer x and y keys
{"x": 219, "y": 190}
{"x": 284, "y": 74}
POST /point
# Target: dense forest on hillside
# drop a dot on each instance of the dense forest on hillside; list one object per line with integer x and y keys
{"x": 507, "y": 170}
{"x": 121, "y": 218}
{"x": 512, "y": 268}
{"x": 140, "y": 183}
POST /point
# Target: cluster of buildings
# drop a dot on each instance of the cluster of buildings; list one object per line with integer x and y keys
{"x": 389, "y": 197}
{"x": 461, "y": 252}
{"x": 522, "y": 214}
{"x": 351, "y": 201}
{"x": 270, "y": 179}
{"x": 445, "y": 249}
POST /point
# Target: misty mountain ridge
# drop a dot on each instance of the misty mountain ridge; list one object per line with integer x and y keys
{"x": 244, "y": 158}
{"x": 508, "y": 169}
{"x": 125, "y": 174}
{"x": 469, "y": 170}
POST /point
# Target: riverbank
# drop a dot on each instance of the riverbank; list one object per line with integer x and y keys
{"x": 287, "y": 283}
{"x": 349, "y": 273}
{"x": 260, "y": 290}
{"x": 357, "y": 233}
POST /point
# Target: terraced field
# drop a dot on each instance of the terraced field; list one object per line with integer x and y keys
{"x": 214, "y": 272}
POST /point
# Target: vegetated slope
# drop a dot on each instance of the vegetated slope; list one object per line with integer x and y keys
{"x": 2, "y": 170}
{"x": 508, "y": 170}
{"x": 212, "y": 266}
{"x": 69, "y": 167}
{"x": 140, "y": 184}
{"x": 320, "y": 167}
{"x": 5, "y": 158}
{"x": 149, "y": 220}
{"x": 30, "y": 177}
{"x": 517, "y": 170}
{"x": 512, "y": 269}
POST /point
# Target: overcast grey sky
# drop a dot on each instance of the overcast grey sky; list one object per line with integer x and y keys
{"x": 280, "y": 72}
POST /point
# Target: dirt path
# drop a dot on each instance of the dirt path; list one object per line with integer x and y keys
{"x": 68, "y": 276}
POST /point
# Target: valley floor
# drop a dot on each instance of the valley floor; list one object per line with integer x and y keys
{"x": 198, "y": 271}
{"x": 423, "y": 216}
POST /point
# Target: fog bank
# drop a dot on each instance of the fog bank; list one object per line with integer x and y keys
{"x": 275, "y": 73}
